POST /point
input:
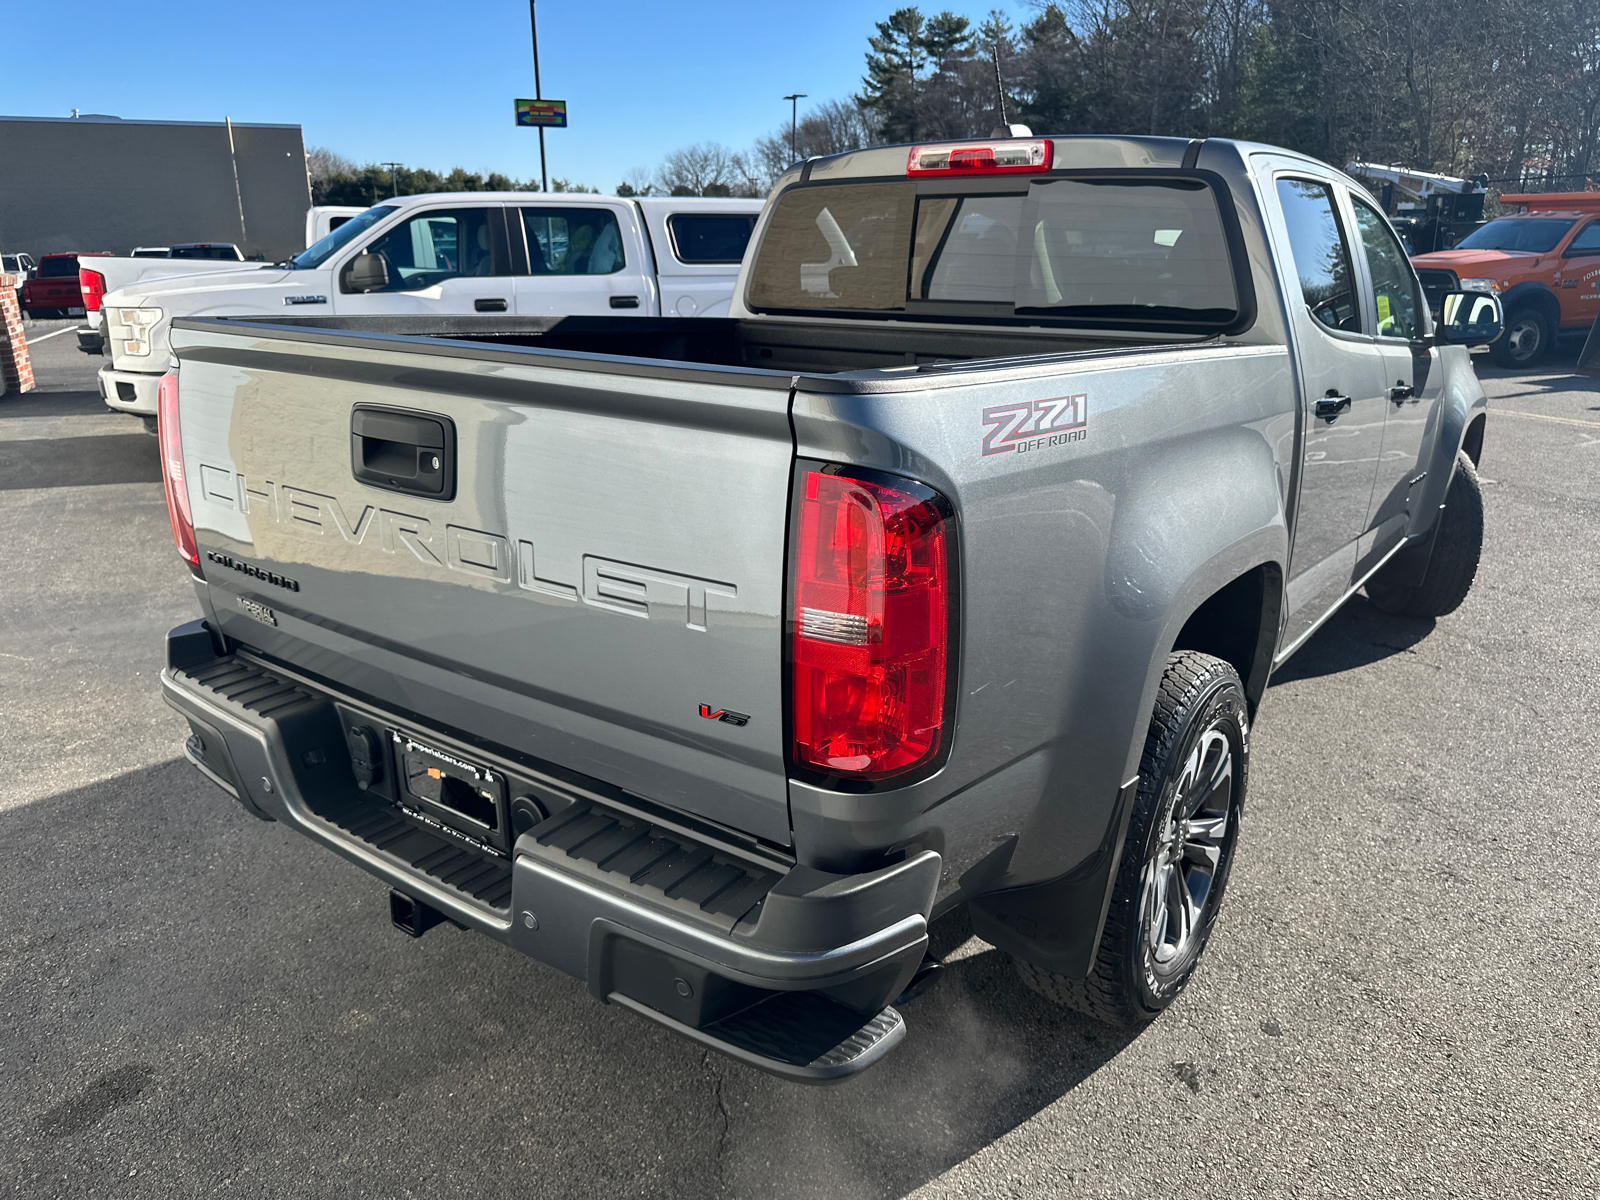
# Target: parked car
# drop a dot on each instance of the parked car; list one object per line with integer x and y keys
{"x": 150, "y": 252}
{"x": 20, "y": 267}
{"x": 54, "y": 291}
{"x": 708, "y": 660}
{"x": 1543, "y": 263}
{"x": 220, "y": 251}
{"x": 469, "y": 255}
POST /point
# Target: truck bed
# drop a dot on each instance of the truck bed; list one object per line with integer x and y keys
{"x": 822, "y": 347}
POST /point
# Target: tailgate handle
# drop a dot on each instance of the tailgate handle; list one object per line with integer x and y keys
{"x": 495, "y": 304}
{"x": 624, "y": 302}
{"x": 403, "y": 451}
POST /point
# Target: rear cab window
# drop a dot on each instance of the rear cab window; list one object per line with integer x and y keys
{"x": 64, "y": 267}
{"x": 707, "y": 238}
{"x": 1143, "y": 250}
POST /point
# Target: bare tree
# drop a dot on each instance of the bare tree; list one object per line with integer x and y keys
{"x": 703, "y": 169}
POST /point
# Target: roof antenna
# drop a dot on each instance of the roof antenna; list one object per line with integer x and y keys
{"x": 1005, "y": 129}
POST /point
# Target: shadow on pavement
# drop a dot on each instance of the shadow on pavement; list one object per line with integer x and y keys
{"x": 190, "y": 989}
{"x": 1358, "y": 635}
{"x": 40, "y": 403}
{"x": 76, "y": 461}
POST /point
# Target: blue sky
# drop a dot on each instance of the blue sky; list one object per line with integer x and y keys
{"x": 431, "y": 84}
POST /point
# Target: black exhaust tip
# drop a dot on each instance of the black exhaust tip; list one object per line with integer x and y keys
{"x": 412, "y": 916}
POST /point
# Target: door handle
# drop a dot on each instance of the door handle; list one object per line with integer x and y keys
{"x": 1401, "y": 391}
{"x": 624, "y": 302}
{"x": 495, "y": 304}
{"x": 1331, "y": 405}
{"x": 403, "y": 451}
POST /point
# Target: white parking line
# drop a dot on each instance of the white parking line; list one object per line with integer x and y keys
{"x": 55, "y": 333}
{"x": 1512, "y": 412}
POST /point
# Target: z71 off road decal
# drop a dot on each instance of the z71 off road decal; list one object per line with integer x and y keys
{"x": 1025, "y": 425}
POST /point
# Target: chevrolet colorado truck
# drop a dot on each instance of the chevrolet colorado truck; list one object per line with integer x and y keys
{"x": 453, "y": 255}
{"x": 1543, "y": 263}
{"x": 707, "y": 661}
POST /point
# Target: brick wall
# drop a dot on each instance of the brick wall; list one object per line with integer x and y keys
{"x": 15, "y": 366}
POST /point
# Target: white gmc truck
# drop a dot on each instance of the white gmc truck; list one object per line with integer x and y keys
{"x": 467, "y": 255}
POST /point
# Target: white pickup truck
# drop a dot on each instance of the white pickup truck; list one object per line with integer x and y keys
{"x": 459, "y": 255}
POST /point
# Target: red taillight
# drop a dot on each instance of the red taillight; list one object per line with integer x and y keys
{"x": 982, "y": 158}
{"x": 870, "y": 626}
{"x": 93, "y": 286}
{"x": 172, "y": 470}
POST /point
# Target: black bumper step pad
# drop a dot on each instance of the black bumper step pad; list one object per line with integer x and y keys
{"x": 797, "y": 1035}
{"x": 365, "y": 818}
{"x": 372, "y": 821}
{"x": 666, "y": 867}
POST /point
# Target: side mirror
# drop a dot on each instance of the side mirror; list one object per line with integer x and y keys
{"x": 366, "y": 272}
{"x": 1471, "y": 318}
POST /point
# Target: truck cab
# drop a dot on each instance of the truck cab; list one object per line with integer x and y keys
{"x": 1544, "y": 263}
{"x": 472, "y": 255}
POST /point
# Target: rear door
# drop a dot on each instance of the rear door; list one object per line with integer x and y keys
{"x": 451, "y": 259}
{"x": 582, "y": 260}
{"x": 1342, "y": 398}
{"x": 606, "y": 557}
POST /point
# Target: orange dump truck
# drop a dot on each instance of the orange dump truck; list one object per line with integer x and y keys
{"x": 1544, "y": 262}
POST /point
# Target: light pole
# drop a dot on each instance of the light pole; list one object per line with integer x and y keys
{"x": 533, "y": 21}
{"x": 794, "y": 117}
{"x": 394, "y": 188}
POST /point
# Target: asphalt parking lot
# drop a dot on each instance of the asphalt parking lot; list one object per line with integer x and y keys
{"x": 1402, "y": 997}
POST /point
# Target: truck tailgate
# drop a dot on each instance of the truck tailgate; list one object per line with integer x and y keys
{"x": 606, "y": 578}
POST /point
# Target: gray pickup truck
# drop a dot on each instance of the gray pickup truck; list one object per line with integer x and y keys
{"x": 708, "y": 661}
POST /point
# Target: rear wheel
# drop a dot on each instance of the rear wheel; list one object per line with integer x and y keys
{"x": 1179, "y": 850}
{"x": 1525, "y": 341}
{"x": 1453, "y": 566}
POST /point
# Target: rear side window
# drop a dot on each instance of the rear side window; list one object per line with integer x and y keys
{"x": 1124, "y": 251}
{"x": 573, "y": 241}
{"x": 710, "y": 237}
{"x": 1321, "y": 255}
{"x": 59, "y": 268}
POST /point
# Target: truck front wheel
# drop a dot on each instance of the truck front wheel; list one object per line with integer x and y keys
{"x": 1525, "y": 341}
{"x": 1178, "y": 853}
{"x": 1453, "y": 566}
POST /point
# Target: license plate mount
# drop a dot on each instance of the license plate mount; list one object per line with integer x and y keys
{"x": 446, "y": 791}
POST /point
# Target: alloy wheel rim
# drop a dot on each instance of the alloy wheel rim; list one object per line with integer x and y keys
{"x": 1193, "y": 839}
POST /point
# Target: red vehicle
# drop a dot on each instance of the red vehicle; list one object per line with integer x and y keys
{"x": 1544, "y": 262}
{"x": 56, "y": 291}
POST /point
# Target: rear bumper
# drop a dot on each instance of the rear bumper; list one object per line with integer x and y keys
{"x": 786, "y": 968}
{"x": 130, "y": 391}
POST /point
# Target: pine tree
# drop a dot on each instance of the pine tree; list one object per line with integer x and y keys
{"x": 946, "y": 36}
{"x": 896, "y": 59}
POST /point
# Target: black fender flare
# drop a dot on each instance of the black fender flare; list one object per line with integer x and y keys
{"x": 1025, "y": 921}
{"x": 1535, "y": 295}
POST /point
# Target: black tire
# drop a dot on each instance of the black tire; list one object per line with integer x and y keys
{"x": 150, "y": 426}
{"x": 1525, "y": 341}
{"x": 1456, "y": 550}
{"x": 1137, "y": 971}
